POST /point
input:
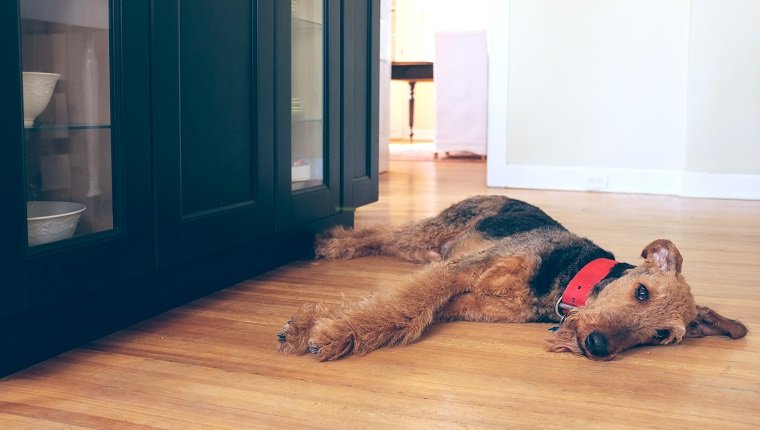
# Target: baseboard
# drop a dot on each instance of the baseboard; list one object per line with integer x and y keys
{"x": 721, "y": 186}
{"x": 585, "y": 179}
{"x": 636, "y": 181}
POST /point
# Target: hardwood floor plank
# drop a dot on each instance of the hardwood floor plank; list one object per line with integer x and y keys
{"x": 213, "y": 364}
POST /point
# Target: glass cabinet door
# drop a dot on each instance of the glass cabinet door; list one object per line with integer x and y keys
{"x": 65, "y": 57}
{"x": 307, "y": 92}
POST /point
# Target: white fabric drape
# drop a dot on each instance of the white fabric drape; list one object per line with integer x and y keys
{"x": 461, "y": 92}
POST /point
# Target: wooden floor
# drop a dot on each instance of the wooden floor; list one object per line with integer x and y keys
{"x": 213, "y": 364}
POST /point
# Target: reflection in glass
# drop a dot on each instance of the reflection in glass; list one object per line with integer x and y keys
{"x": 67, "y": 116}
{"x": 307, "y": 86}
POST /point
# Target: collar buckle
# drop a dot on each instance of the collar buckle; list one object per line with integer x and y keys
{"x": 561, "y": 309}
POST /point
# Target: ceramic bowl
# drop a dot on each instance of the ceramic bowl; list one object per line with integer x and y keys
{"x": 51, "y": 221}
{"x": 38, "y": 87}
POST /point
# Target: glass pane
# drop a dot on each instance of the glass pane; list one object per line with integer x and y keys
{"x": 67, "y": 118}
{"x": 307, "y": 86}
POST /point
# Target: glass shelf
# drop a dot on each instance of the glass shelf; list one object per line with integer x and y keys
{"x": 67, "y": 127}
{"x": 307, "y": 22}
{"x": 307, "y": 120}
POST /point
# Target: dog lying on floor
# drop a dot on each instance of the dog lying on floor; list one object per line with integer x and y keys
{"x": 497, "y": 259}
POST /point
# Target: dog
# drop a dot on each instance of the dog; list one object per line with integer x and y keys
{"x": 496, "y": 259}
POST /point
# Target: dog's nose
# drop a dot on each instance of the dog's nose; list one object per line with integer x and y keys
{"x": 596, "y": 344}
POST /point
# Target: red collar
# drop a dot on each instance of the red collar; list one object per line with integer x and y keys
{"x": 580, "y": 286}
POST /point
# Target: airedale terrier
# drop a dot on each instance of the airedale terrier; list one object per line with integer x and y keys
{"x": 497, "y": 259}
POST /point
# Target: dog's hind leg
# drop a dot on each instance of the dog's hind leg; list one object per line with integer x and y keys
{"x": 341, "y": 243}
{"x": 419, "y": 242}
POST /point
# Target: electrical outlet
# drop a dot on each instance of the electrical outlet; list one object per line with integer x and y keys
{"x": 598, "y": 182}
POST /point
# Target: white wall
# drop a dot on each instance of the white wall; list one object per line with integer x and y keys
{"x": 723, "y": 131}
{"x": 626, "y": 96}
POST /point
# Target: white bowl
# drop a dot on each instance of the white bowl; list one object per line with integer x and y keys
{"x": 38, "y": 87}
{"x": 51, "y": 221}
{"x": 301, "y": 173}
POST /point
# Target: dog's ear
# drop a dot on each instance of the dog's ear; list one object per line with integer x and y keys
{"x": 710, "y": 323}
{"x": 664, "y": 255}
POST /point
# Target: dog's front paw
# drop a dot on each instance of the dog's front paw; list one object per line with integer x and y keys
{"x": 331, "y": 339}
{"x": 293, "y": 338}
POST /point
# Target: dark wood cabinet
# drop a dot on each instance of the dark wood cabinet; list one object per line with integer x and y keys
{"x": 224, "y": 135}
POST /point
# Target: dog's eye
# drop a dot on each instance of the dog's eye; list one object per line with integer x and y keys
{"x": 642, "y": 293}
{"x": 662, "y": 334}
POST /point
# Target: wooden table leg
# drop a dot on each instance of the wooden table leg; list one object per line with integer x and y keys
{"x": 411, "y": 110}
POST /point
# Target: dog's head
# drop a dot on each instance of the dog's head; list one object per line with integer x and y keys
{"x": 650, "y": 304}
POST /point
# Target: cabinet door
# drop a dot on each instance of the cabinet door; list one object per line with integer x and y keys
{"x": 83, "y": 141}
{"x": 307, "y": 106}
{"x": 211, "y": 89}
{"x": 361, "y": 62}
